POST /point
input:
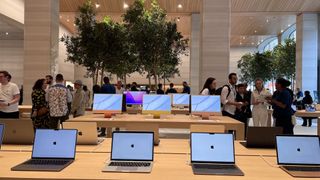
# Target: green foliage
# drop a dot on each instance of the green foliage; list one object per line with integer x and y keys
{"x": 270, "y": 64}
{"x": 156, "y": 42}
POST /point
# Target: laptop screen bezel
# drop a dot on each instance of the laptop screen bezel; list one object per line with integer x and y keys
{"x": 75, "y": 145}
{"x": 215, "y": 162}
{"x": 2, "y": 134}
{"x": 286, "y": 135}
{"x": 132, "y": 132}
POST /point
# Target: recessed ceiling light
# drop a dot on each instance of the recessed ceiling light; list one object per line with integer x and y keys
{"x": 178, "y": 19}
{"x": 281, "y": 30}
{"x": 7, "y": 33}
{"x": 252, "y": 43}
{"x": 60, "y": 16}
{"x": 179, "y": 6}
{"x": 289, "y": 25}
{"x": 240, "y": 43}
{"x": 243, "y": 37}
{"x": 74, "y": 24}
{"x": 97, "y": 5}
{"x": 68, "y": 20}
{"x": 255, "y": 31}
{"x": 125, "y": 5}
{"x": 267, "y": 20}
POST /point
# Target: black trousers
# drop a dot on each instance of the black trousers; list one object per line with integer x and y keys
{"x": 11, "y": 115}
{"x": 285, "y": 123}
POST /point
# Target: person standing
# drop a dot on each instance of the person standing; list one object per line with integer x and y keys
{"x": 78, "y": 107}
{"x": 186, "y": 88}
{"x": 107, "y": 88}
{"x": 260, "y": 105}
{"x": 134, "y": 87}
{"x": 228, "y": 97}
{"x": 87, "y": 96}
{"x": 242, "y": 114}
{"x": 307, "y": 100}
{"x": 281, "y": 101}
{"x": 119, "y": 88}
{"x": 9, "y": 97}
{"x": 209, "y": 87}
{"x": 171, "y": 89}
{"x": 159, "y": 90}
{"x": 40, "y": 111}
{"x": 58, "y": 98}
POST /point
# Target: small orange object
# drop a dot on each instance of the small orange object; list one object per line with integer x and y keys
{"x": 107, "y": 115}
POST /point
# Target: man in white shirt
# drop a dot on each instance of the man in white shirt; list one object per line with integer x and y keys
{"x": 119, "y": 88}
{"x": 228, "y": 97}
{"x": 9, "y": 97}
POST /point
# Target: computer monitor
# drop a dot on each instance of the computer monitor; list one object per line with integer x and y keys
{"x": 107, "y": 103}
{"x": 156, "y": 104}
{"x": 180, "y": 100}
{"x": 1, "y": 133}
{"x": 134, "y": 97}
{"x": 205, "y": 105}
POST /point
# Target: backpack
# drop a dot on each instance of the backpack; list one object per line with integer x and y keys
{"x": 219, "y": 91}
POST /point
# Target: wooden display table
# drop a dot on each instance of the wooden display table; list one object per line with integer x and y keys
{"x": 87, "y": 166}
{"x": 303, "y": 113}
{"x": 183, "y": 122}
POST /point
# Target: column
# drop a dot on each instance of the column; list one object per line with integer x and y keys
{"x": 307, "y": 52}
{"x": 41, "y": 42}
{"x": 215, "y": 40}
{"x": 195, "y": 54}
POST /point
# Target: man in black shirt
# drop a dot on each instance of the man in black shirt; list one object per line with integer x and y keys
{"x": 186, "y": 88}
{"x": 171, "y": 89}
{"x": 159, "y": 90}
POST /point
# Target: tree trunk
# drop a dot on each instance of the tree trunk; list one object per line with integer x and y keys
{"x": 97, "y": 75}
{"x": 125, "y": 79}
{"x": 102, "y": 76}
{"x": 149, "y": 78}
{"x": 155, "y": 80}
{"x": 272, "y": 81}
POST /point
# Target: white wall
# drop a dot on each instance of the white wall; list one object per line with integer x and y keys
{"x": 65, "y": 68}
{"x": 11, "y": 59}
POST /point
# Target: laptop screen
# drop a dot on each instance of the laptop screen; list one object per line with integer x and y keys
{"x": 132, "y": 146}
{"x": 181, "y": 99}
{"x": 298, "y": 150}
{"x": 212, "y": 148}
{"x": 1, "y": 133}
{"x": 201, "y": 103}
{"x": 108, "y": 102}
{"x": 50, "y": 143}
{"x": 134, "y": 97}
{"x": 156, "y": 103}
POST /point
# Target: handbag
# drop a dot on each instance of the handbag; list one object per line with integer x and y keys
{"x": 42, "y": 111}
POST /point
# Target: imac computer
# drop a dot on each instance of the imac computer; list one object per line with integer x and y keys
{"x": 156, "y": 105}
{"x": 205, "y": 105}
{"x": 107, "y": 103}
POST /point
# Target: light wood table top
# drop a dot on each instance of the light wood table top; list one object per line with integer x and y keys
{"x": 166, "y": 166}
{"x": 166, "y": 146}
{"x": 171, "y": 121}
{"x": 304, "y": 113}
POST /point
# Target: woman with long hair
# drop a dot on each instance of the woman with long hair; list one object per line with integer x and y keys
{"x": 209, "y": 87}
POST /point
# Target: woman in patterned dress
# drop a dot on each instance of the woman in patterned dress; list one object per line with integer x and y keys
{"x": 40, "y": 113}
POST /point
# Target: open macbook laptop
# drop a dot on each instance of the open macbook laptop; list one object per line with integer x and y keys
{"x": 53, "y": 150}
{"x": 262, "y": 137}
{"x": 213, "y": 153}
{"x": 131, "y": 152}
{"x": 1, "y": 133}
{"x": 87, "y": 132}
{"x": 299, "y": 155}
{"x": 18, "y": 132}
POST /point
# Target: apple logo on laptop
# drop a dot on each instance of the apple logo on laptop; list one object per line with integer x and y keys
{"x": 80, "y": 133}
{"x": 54, "y": 143}
{"x": 298, "y": 149}
{"x": 212, "y": 147}
{"x": 132, "y": 145}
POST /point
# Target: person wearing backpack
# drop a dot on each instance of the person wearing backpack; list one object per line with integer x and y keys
{"x": 228, "y": 97}
{"x": 209, "y": 87}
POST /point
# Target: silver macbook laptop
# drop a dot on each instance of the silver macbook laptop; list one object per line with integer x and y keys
{"x": 87, "y": 132}
{"x": 1, "y": 133}
{"x": 299, "y": 155}
{"x": 18, "y": 132}
{"x": 53, "y": 150}
{"x": 213, "y": 153}
{"x": 131, "y": 152}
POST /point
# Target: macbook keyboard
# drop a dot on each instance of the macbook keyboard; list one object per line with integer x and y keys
{"x": 132, "y": 164}
{"x": 213, "y": 166}
{"x": 301, "y": 168}
{"x": 47, "y": 162}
